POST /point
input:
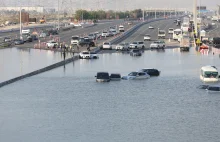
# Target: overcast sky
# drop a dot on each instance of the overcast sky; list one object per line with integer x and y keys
{"x": 112, "y": 4}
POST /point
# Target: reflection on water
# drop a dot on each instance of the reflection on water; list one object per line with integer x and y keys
{"x": 67, "y": 104}
{"x": 18, "y": 61}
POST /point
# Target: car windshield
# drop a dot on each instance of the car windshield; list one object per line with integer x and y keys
{"x": 156, "y": 42}
{"x": 85, "y": 52}
{"x": 177, "y": 32}
{"x": 133, "y": 74}
{"x": 170, "y": 29}
{"x": 106, "y": 43}
{"x": 75, "y": 38}
{"x": 161, "y": 32}
{"x": 209, "y": 74}
{"x": 134, "y": 42}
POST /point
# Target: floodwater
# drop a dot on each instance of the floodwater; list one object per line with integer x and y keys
{"x": 66, "y": 104}
{"x": 16, "y": 61}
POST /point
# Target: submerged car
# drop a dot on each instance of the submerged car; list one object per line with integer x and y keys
{"x": 88, "y": 55}
{"x": 136, "y": 76}
{"x": 102, "y": 77}
{"x": 135, "y": 52}
{"x": 213, "y": 89}
{"x": 151, "y": 72}
{"x": 115, "y": 77}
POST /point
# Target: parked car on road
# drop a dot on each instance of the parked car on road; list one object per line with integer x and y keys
{"x": 170, "y": 31}
{"x": 157, "y": 45}
{"x": 107, "y": 45}
{"x": 122, "y": 46}
{"x": 136, "y": 76}
{"x": 51, "y": 44}
{"x": 137, "y": 45}
{"x": 92, "y": 36}
{"x": 75, "y": 40}
{"x": 18, "y": 41}
{"x": 105, "y": 34}
{"x": 88, "y": 55}
{"x": 102, "y": 77}
{"x": 135, "y": 52}
{"x": 86, "y": 42}
{"x": 121, "y": 28}
{"x": 42, "y": 35}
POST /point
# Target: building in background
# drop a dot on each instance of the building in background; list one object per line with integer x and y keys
{"x": 38, "y": 9}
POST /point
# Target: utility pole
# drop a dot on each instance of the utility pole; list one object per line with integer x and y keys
{"x": 20, "y": 25}
{"x": 155, "y": 14}
{"x": 164, "y": 13}
{"x": 195, "y": 16}
{"x": 58, "y": 15}
{"x": 143, "y": 15}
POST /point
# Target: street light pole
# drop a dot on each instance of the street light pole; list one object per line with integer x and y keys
{"x": 195, "y": 16}
{"x": 155, "y": 14}
{"x": 20, "y": 25}
{"x": 58, "y": 14}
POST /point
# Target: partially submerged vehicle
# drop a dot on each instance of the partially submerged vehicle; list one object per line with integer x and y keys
{"x": 115, "y": 77}
{"x": 151, "y": 71}
{"x": 88, "y": 55}
{"x": 209, "y": 74}
{"x": 136, "y": 76}
{"x": 102, "y": 77}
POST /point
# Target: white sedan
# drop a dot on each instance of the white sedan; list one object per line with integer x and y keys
{"x": 88, "y": 55}
{"x": 147, "y": 37}
{"x": 107, "y": 45}
{"x": 157, "y": 45}
{"x": 52, "y": 44}
{"x": 122, "y": 46}
{"x": 151, "y": 27}
{"x": 136, "y": 76}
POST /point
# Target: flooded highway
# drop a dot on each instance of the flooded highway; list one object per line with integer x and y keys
{"x": 66, "y": 104}
{"x": 19, "y": 61}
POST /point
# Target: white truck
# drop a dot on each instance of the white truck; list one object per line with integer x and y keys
{"x": 184, "y": 43}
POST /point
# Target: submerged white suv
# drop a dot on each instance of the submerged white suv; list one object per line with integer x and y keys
{"x": 137, "y": 45}
{"x": 88, "y": 55}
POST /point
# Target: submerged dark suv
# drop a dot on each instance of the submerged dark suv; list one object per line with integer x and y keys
{"x": 102, "y": 77}
{"x": 151, "y": 72}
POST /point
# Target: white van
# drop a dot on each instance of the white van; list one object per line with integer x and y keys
{"x": 121, "y": 28}
{"x": 209, "y": 74}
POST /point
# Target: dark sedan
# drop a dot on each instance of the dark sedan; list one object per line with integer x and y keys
{"x": 18, "y": 41}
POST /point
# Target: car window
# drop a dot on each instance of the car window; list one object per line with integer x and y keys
{"x": 106, "y": 43}
{"x": 133, "y": 74}
{"x": 134, "y": 42}
{"x": 141, "y": 73}
{"x": 141, "y": 42}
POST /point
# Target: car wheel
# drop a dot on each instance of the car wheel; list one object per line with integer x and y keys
{"x": 80, "y": 57}
{"x": 95, "y": 57}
